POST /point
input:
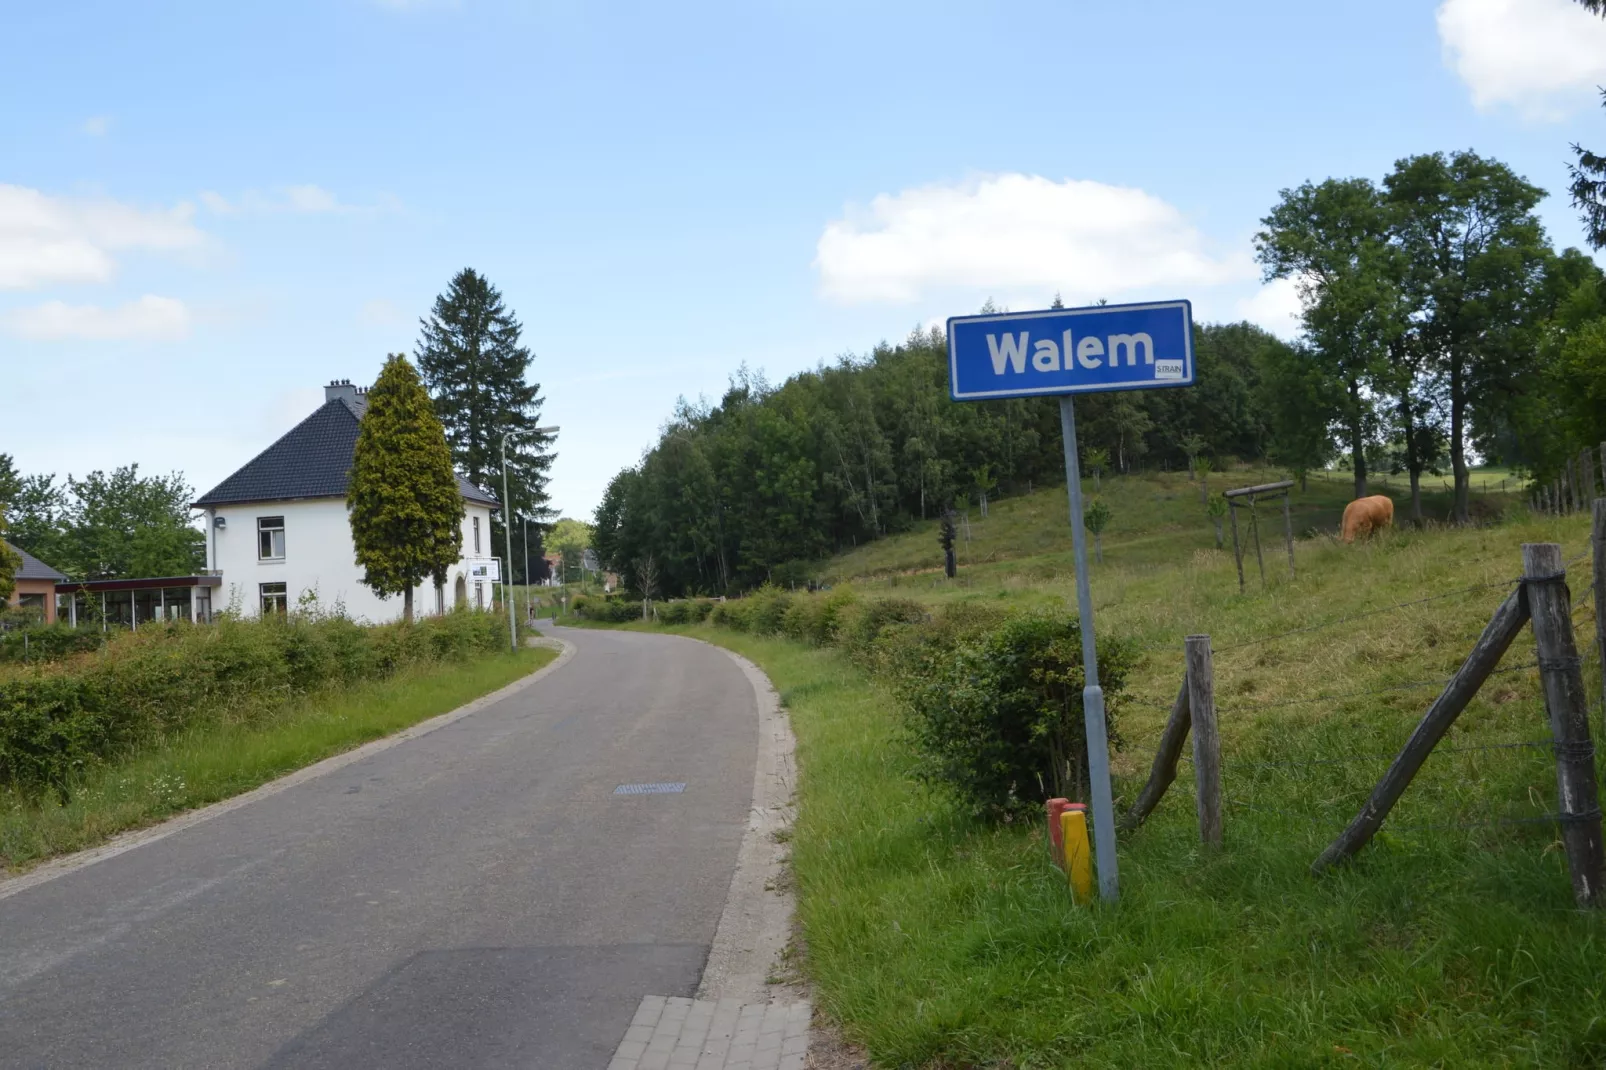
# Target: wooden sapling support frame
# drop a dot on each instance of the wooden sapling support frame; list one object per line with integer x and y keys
{"x": 1280, "y": 489}
{"x": 1197, "y": 693}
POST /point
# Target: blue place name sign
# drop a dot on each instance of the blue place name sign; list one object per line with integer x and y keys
{"x": 1070, "y": 350}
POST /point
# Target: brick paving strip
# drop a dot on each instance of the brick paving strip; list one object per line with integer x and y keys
{"x": 741, "y": 1020}
{"x": 672, "y": 1033}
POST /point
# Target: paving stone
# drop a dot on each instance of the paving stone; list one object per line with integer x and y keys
{"x": 676, "y": 1033}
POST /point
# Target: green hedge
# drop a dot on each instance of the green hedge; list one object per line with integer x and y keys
{"x": 55, "y": 720}
{"x": 47, "y": 642}
{"x": 993, "y": 699}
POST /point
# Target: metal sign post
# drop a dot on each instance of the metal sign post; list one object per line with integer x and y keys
{"x": 1076, "y": 350}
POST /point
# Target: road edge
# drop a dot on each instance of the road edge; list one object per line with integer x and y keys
{"x": 128, "y": 841}
{"x": 756, "y": 922}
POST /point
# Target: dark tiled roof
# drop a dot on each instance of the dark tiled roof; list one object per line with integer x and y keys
{"x": 33, "y": 568}
{"x": 312, "y": 460}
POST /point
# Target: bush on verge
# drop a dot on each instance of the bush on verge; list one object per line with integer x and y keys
{"x": 55, "y": 720}
{"x": 996, "y": 714}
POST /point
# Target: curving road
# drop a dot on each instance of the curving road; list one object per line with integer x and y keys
{"x": 476, "y": 897}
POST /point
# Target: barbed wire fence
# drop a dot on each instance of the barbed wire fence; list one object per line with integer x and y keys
{"x": 1351, "y": 813}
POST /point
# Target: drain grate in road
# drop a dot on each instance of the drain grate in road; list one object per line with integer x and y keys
{"x": 649, "y": 789}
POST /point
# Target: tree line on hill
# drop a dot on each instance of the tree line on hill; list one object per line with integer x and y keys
{"x": 1438, "y": 321}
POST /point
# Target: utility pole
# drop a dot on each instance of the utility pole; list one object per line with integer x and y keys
{"x": 507, "y": 532}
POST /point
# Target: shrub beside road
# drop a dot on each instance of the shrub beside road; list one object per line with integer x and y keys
{"x": 176, "y": 716}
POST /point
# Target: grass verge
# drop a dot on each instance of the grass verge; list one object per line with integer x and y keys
{"x": 207, "y": 763}
{"x": 941, "y": 942}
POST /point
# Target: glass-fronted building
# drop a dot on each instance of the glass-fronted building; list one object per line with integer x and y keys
{"x": 131, "y": 603}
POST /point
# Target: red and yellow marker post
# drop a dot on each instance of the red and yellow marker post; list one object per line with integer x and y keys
{"x": 1078, "y": 852}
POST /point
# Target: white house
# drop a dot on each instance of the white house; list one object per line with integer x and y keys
{"x": 278, "y": 527}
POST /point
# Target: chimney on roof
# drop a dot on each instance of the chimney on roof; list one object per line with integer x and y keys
{"x": 340, "y": 388}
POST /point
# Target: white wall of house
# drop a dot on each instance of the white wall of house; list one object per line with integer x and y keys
{"x": 319, "y": 557}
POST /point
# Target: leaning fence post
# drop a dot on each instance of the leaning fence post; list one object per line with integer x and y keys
{"x": 1164, "y": 769}
{"x": 1480, "y": 662}
{"x": 1206, "y": 737}
{"x": 1578, "y": 802}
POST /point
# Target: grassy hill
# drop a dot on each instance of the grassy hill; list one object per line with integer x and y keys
{"x": 1452, "y": 940}
{"x": 1155, "y": 517}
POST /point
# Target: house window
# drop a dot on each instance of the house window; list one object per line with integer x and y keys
{"x": 476, "y": 536}
{"x": 272, "y": 599}
{"x": 479, "y": 593}
{"x": 270, "y": 538}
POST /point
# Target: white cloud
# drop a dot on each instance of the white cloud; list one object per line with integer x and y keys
{"x": 149, "y": 318}
{"x": 1276, "y": 307}
{"x": 1542, "y": 57}
{"x": 380, "y": 313}
{"x": 1012, "y": 232}
{"x": 305, "y": 199}
{"x": 46, "y": 239}
{"x": 98, "y": 125}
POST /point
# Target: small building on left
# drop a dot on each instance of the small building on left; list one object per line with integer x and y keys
{"x": 51, "y": 596}
{"x": 36, "y": 586}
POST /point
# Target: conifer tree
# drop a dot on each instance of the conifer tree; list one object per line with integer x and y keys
{"x": 475, "y": 367}
{"x": 406, "y": 510}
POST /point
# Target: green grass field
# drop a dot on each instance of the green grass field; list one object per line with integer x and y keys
{"x": 1155, "y": 518}
{"x": 940, "y": 942}
{"x": 202, "y": 766}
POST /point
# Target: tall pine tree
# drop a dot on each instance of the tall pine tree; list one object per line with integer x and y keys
{"x": 472, "y": 362}
{"x": 406, "y": 510}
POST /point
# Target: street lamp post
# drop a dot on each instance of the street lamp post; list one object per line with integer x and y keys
{"x": 507, "y": 532}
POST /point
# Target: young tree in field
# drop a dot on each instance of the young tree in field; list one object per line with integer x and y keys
{"x": 406, "y": 510}
{"x": 1216, "y": 509}
{"x": 1193, "y": 445}
{"x": 647, "y": 580}
{"x": 1474, "y": 249}
{"x": 1333, "y": 240}
{"x": 1096, "y": 460}
{"x": 1203, "y": 465}
{"x": 1096, "y": 516}
{"x": 470, "y": 357}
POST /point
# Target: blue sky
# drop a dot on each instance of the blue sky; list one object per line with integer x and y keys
{"x": 207, "y": 211}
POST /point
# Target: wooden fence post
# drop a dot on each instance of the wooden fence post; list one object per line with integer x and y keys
{"x": 1486, "y": 654}
{"x": 1578, "y": 802}
{"x": 1164, "y": 769}
{"x": 1288, "y": 534}
{"x": 1237, "y": 553}
{"x": 1598, "y": 541}
{"x": 1254, "y": 528}
{"x": 1206, "y": 738}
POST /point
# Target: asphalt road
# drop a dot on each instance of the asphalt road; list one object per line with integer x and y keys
{"x": 477, "y": 897}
